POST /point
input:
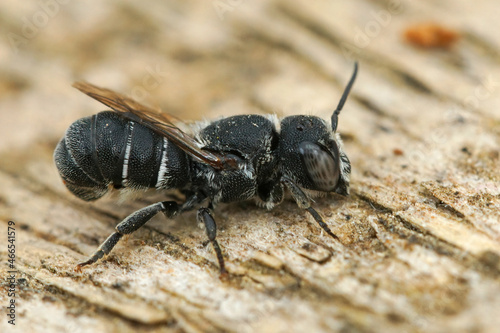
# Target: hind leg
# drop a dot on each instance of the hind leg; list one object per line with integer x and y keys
{"x": 136, "y": 220}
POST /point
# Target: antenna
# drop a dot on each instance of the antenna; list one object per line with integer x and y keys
{"x": 335, "y": 115}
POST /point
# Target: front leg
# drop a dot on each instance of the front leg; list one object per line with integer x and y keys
{"x": 305, "y": 203}
{"x": 271, "y": 193}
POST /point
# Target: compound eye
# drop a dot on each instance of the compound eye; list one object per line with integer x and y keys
{"x": 321, "y": 167}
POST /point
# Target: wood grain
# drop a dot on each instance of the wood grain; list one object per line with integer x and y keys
{"x": 419, "y": 237}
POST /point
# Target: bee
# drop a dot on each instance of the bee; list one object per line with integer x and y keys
{"x": 231, "y": 159}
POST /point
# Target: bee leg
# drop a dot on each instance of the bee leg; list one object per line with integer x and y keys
{"x": 305, "y": 203}
{"x": 211, "y": 228}
{"x": 136, "y": 220}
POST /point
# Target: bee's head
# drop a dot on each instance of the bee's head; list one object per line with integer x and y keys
{"x": 311, "y": 151}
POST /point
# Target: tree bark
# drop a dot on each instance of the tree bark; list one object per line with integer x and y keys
{"x": 418, "y": 246}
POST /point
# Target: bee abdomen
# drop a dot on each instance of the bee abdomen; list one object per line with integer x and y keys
{"x": 107, "y": 150}
{"x": 75, "y": 179}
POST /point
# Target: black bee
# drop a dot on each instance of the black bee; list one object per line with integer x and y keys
{"x": 231, "y": 159}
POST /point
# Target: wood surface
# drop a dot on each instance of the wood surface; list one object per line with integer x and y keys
{"x": 419, "y": 236}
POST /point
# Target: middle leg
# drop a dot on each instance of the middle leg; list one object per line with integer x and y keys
{"x": 211, "y": 228}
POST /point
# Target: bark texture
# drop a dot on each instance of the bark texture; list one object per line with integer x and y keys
{"x": 419, "y": 237}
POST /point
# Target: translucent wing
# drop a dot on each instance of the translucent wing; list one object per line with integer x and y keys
{"x": 159, "y": 122}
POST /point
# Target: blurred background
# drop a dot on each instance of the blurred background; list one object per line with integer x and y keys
{"x": 194, "y": 58}
{"x": 420, "y": 239}
{"x": 207, "y": 59}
